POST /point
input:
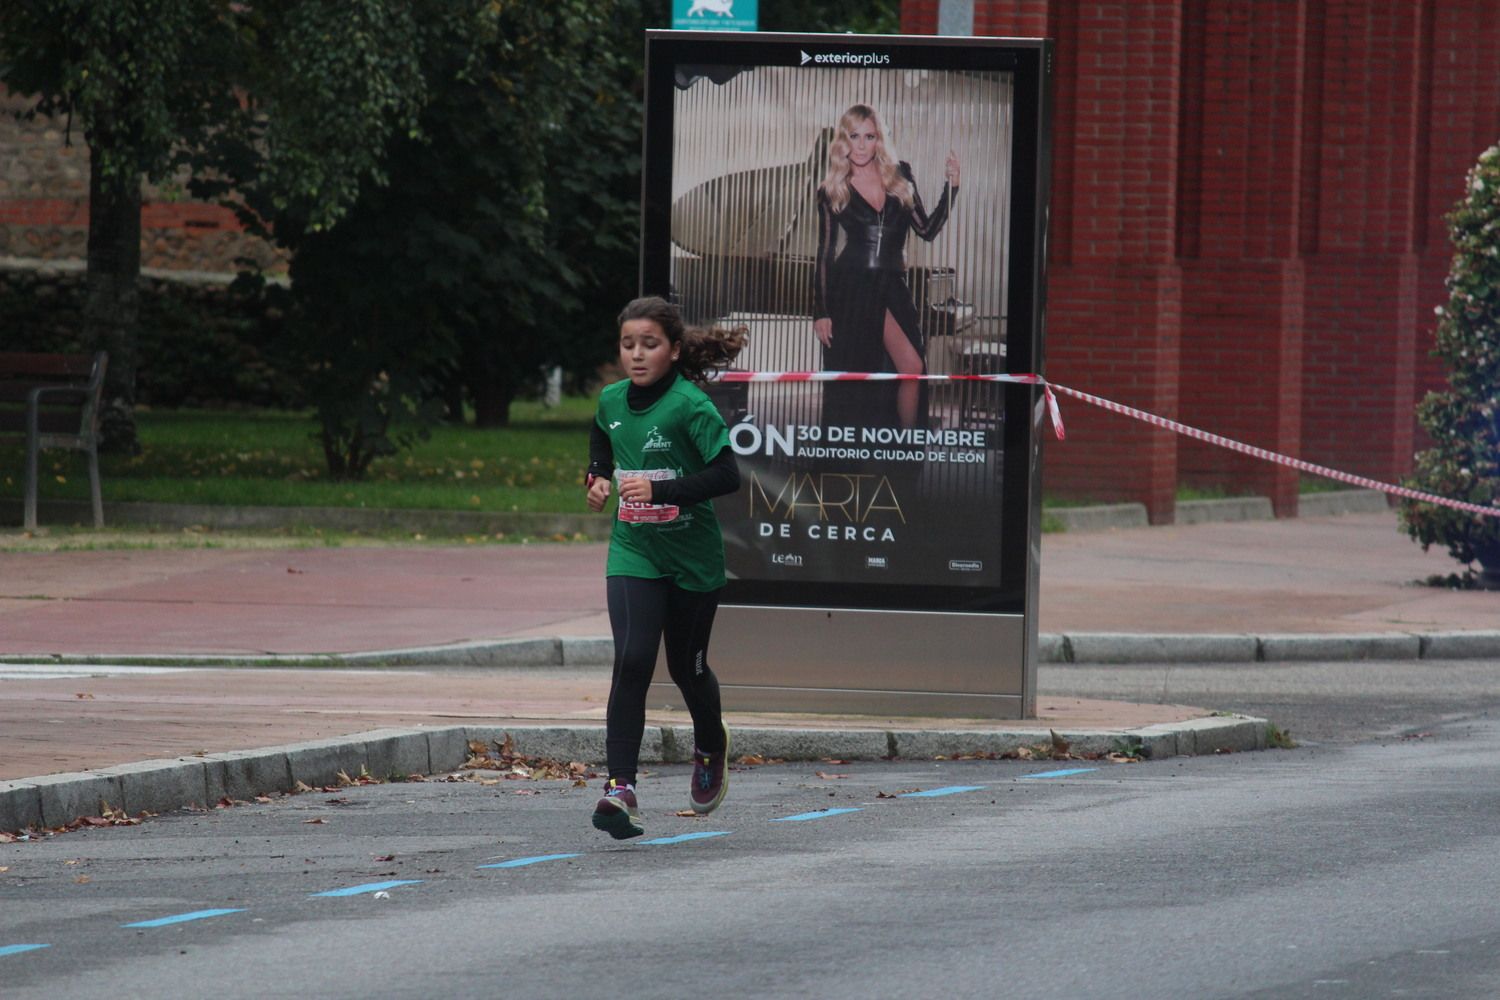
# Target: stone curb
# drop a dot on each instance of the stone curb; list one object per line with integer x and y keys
{"x": 1226, "y": 509}
{"x": 1072, "y": 647}
{"x": 1101, "y": 518}
{"x": 1122, "y": 647}
{"x": 200, "y": 781}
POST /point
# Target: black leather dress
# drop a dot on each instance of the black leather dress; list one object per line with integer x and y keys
{"x": 859, "y": 277}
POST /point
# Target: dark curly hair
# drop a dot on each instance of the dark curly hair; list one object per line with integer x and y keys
{"x": 704, "y": 349}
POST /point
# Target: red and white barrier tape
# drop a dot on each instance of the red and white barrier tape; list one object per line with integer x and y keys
{"x": 1129, "y": 411}
{"x": 1025, "y": 379}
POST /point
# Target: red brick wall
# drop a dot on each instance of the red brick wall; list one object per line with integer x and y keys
{"x": 1247, "y": 225}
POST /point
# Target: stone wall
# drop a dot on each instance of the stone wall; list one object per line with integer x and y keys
{"x": 44, "y": 188}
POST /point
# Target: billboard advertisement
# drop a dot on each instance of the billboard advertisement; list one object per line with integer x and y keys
{"x": 860, "y": 204}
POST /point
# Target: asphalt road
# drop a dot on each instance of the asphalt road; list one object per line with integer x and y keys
{"x": 1315, "y": 702}
{"x": 1350, "y": 869}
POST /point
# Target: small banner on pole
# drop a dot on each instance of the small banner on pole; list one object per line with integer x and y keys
{"x": 715, "y": 15}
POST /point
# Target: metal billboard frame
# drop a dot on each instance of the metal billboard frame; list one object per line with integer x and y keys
{"x": 858, "y": 647}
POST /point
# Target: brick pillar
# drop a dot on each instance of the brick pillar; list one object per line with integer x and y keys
{"x": 1114, "y": 285}
{"x": 1360, "y": 204}
{"x": 1243, "y": 101}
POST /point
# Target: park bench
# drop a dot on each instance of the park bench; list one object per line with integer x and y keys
{"x": 52, "y": 401}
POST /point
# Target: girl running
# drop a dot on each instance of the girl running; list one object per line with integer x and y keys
{"x": 660, "y": 438}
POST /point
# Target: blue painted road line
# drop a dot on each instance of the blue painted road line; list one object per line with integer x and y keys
{"x": 183, "y": 918}
{"x": 16, "y": 949}
{"x": 523, "y": 862}
{"x": 935, "y": 792}
{"x": 660, "y": 841}
{"x": 355, "y": 890}
{"x": 819, "y": 814}
{"x": 1061, "y": 774}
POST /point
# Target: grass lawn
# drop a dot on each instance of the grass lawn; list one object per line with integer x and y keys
{"x": 267, "y": 458}
{"x": 270, "y": 458}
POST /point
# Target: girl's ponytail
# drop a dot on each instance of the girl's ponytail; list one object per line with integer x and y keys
{"x": 707, "y": 349}
{"x": 703, "y": 349}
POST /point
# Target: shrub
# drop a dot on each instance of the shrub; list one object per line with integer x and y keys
{"x": 1464, "y": 419}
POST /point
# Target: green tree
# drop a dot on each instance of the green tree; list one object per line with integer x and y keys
{"x": 134, "y": 76}
{"x": 311, "y": 89}
{"x": 471, "y": 264}
{"x": 1464, "y": 419}
{"x": 865, "y": 17}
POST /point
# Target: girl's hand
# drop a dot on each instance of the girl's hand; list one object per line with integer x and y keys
{"x": 824, "y": 329}
{"x": 598, "y": 493}
{"x": 950, "y": 171}
{"x": 635, "y": 490}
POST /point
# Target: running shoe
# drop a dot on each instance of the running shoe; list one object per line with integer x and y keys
{"x": 617, "y": 813}
{"x": 710, "y": 778}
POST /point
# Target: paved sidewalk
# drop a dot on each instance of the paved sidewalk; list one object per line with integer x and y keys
{"x": 1346, "y": 575}
{"x": 1334, "y": 587}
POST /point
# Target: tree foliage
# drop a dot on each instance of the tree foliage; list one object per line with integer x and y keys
{"x": 135, "y": 76}
{"x": 309, "y": 91}
{"x": 504, "y": 217}
{"x": 1464, "y": 419}
{"x": 458, "y": 180}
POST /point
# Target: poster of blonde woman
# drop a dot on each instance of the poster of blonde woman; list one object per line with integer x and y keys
{"x": 854, "y": 207}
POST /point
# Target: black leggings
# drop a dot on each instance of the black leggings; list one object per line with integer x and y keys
{"x": 641, "y": 614}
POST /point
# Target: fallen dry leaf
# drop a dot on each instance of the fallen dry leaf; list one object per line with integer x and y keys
{"x": 756, "y": 760}
{"x": 301, "y": 787}
{"x": 686, "y": 814}
{"x": 501, "y": 757}
{"x": 318, "y": 820}
{"x": 836, "y": 761}
{"x": 74, "y": 861}
{"x": 829, "y": 777}
{"x": 8, "y": 838}
{"x": 296, "y": 572}
{"x": 263, "y": 798}
{"x": 4, "y": 868}
{"x": 84, "y": 696}
{"x": 386, "y": 857}
{"x": 83, "y": 880}
{"x": 1060, "y": 746}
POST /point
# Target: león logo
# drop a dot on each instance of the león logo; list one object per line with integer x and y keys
{"x": 724, "y": 8}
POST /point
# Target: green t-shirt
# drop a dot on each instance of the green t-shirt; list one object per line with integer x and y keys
{"x": 675, "y": 436}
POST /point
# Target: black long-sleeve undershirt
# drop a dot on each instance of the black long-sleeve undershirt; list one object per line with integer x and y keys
{"x": 719, "y": 477}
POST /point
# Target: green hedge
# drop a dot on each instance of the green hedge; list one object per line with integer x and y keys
{"x": 203, "y": 343}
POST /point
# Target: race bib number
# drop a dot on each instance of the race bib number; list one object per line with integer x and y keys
{"x": 645, "y": 513}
